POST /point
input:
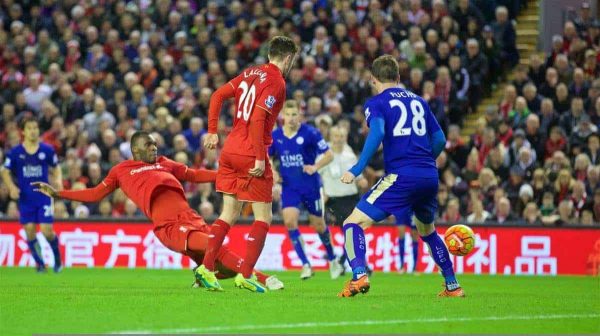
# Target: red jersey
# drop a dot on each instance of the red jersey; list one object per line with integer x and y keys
{"x": 139, "y": 180}
{"x": 259, "y": 87}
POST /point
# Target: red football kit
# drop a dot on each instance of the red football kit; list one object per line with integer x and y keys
{"x": 259, "y": 93}
{"x": 156, "y": 190}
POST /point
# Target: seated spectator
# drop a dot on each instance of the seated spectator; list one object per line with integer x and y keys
{"x": 472, "y": 168}
{"x": 531, "y": 214}
{"x": 478, "y": 214}
{"x": 556, "y": 142}
{"x": 548, "y": 208}
{"x": 562, "y": 101}
{"x": 534, "y": 100}
{"x": 582, "y": 131}
{"x": 579, "y": 198}
{"x": 539, "y": 184}
{"x": 505, "y": 132}
{"x": 521, "y": 78}
{"x": 563, "y": 185}
{"x": 580, "y": 86}
{"x": 574, "y": 116}
{"x": 194, "y": 134}
{"x": 592, "y": 182}
{"x": 513, "y": 185}
{"x": 495, "y": 162}
{"x": 548, "y": 87}
{"x": 508, "y": 100}
{"x": 526, "y": 161}
{"x": 580, "y": 167}
{"x": 593, "y": 148}
{"x": 488, "y": 184}
{"x": 452, "y": 213}
{"x": 525, "y": 197}
{"x": 503, "y": 213}
{"x": 549, "y": 117}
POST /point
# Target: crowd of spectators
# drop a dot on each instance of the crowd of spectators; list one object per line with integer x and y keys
{"x": 94, "y": 71}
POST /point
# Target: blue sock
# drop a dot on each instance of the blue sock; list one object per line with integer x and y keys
{"x": 356, "y": 249}
{"x": 401, "y": 251}
{"x": 415, "y": 246}
{"x": 326, "y": 240}
{"x": 440, "y": 255}
{"x": 54, "y": 245}
{"x": 298, "y": 243}
{"x": 36, "y": 251}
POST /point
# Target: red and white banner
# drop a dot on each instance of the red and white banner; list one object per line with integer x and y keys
{"x": 535, "y": 251}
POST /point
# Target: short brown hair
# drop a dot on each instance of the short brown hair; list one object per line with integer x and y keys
{"x": 281, "y": 46}
{"x": 291, "y": 103}
{"x": 385, "y": 69}
{"x": 26, "y": 120}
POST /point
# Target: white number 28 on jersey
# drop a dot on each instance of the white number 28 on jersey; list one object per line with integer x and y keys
{"x": 418, "y": 118}
{"x": 246, "y": 102}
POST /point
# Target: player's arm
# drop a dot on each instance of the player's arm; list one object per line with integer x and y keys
{"x": 55, "y": 172}
{"x": 88, "y": 195}
{"x": 276, "y": 176}
{"x": 326, "y": 155}
{"x": 374, "y": 139}
{"x": 256, "y": 132}
{"x": 323, "y": 161}
{"x": 437, "y": 139}
{"x": 214, "y": 108}
{"x": 197, "y": 175}
{"x": 13, "y": 190}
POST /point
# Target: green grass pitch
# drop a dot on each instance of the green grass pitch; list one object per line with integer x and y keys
{"x": 161, "y": 301}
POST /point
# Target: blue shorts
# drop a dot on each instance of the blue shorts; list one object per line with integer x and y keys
{"x": 42, "y": 213}
{"x": 310, "y": 198}
{"x": 401, "y": 196}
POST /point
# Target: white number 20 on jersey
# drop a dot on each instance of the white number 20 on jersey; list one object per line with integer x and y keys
{"x": 246, "y": 101}
{"x": 418, "y": 118}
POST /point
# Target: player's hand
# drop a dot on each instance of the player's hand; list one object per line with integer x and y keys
{"x": 347, "y": 178}
{"x": 259, "y": 168}
{"x": 211, "y": 141}
{"x": 309, "y": 169}
{"x": 14, "y": 192}
{"x": 45, "y": 189}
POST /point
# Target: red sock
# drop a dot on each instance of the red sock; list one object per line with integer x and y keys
{"x": 254, "y": 246}
{"x": 217, "y": 234}
{"x": 262, "y": 277}
{"x": 230, "y": 260}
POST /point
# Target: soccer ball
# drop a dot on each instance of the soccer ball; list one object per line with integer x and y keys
{"x": 460, "y": 239}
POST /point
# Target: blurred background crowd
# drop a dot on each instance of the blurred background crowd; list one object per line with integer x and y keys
{"x": 94, "y": 71}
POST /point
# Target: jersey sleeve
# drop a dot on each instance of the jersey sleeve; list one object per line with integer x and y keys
{"x": 51, "y": 158}
{"x": 318, "y": 141}
{"x": 111, "y": 180}
{"x": 272, "y": 150}
{"x": 432, "y": 124}
{"x": 372, "y": 111}
{"x": 271, "y": 97}
{"x": 9, "y": 161}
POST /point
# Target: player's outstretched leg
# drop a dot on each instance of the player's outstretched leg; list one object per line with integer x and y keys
{"x": 415, "y": 248}
{"x": 318, "y": 223}
{"x": 254, "y": 246}
{"x": 440, "y": 255}
{"x": 34, "y": 247}
{"x": 52, "y": 239}
{"x": 401, "y": 242}
{"x": 290, "y": 220}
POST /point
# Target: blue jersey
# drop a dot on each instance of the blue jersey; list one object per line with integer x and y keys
{"x": 409, "y": 125}
{"x": 27, "y": 168}
{"x": 295, "y": 152}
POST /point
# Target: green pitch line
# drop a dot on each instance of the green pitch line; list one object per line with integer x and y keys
{"x": 155, "y": 301}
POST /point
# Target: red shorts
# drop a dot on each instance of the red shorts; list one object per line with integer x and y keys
{"x": 173, "y": 232}
{"x": 233, "y": 178}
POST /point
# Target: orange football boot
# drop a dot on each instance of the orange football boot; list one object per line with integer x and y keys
{"x": 353, "y": 287}
{"x": 453, "y": 293}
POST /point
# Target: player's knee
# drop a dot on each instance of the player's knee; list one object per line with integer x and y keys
{"x": 318, "y": 225}
{"x": 424, "y": 225}
{"x": 30, "y": 231}
{"x": 290, "y": 224}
